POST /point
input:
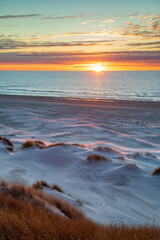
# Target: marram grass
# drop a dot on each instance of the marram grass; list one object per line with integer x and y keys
{"x": 24, "y": 217}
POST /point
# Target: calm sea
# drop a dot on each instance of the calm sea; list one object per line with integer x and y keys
{"x": 140, "y": 85}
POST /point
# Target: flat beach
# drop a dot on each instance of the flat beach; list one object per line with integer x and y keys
{"x": 84, "y": 101}
{"x": 126, "y": 133}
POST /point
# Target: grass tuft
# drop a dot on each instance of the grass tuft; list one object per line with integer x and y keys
{"x": 156, "y": 171}
{"x": 107, "y": 149}
{"x": 39, "y": 144}
{"x": 150, "y": 154}
{"x": 44, "y": 184}
{"x": 36, "y": 143}
{"x": 137, "y": 154}
{"x": 6, "y": 141}
{"x": 57, "y": 188}
{"x": 98, "y": 158}
{"x": 63, "y": 144}
{"x": 10, "y": 149}
{"x": 41, "y": 184}
{"x": 77, "y": 145}
{"x": 3, "y": 183}
{"x": 55, "y": 145}
{"x": 37, "y": 185}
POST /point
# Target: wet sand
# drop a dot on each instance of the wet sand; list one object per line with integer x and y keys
{"x": 85, "y": 101}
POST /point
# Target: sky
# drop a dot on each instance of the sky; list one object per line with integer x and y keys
{"x": 66, "y": 35}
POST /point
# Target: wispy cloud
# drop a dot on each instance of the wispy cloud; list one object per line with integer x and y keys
{"x": 15, "y": 44}
{"x": 155, "y": 18}
{"x": 144, "y": 44}
{"x": 155, "y": 26}
{"x": 140, "y": 30}
{"x": 94, "y": 33}
{"x": 140, "y": 17}
{"x": 108, "y": 21}
{"x": 90, "y": 21}
{"x": 79, "y": 57}
{"x": 19, "y": 16}
{"x": 11, "y": 44}
{"x": 126, "y": 15}
{"x": 67, "y": 17}
{"x": 10, "y": 25}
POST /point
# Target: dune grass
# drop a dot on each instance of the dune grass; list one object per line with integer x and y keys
{"x": 107, "y": 149}
{"x": 137, "y": 154}
{"x": 10, "y": 149}
{"x": 97, "y": 158}
{"x": 57, "y": 188}
{"x": 64, "y": 144}
{"x": 156, "y": 171}
{"x": 45, "y": 184}
{"x": 150, "y": 154}
{"x": 6, "y": 141}
{"x": 22, "y": 217}
{"x": 37, "y": 185}
{"x": 41, "y": 145}
{"x": 36, "y": 143}
{"x": 41, "y": 184}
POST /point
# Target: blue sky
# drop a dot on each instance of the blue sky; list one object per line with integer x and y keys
{"x": 70, "y": 6}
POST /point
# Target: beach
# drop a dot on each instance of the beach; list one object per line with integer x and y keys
{"x": 120, "y": 188}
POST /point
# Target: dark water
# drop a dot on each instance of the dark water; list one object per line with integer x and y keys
{"x": 133, "y": 85}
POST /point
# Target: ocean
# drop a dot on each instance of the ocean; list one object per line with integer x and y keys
{"x": 126, "y": 85}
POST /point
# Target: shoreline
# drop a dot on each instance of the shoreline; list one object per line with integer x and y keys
{"x": 84, "y": 101}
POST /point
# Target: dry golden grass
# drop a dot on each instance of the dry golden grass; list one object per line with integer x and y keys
{"x": 98, "y": 158}
{"x": 22, "y": 217}
{"x": 156, "y": 171}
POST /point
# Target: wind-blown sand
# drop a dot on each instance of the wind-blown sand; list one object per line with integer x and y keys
{"x": 127, "y": 133}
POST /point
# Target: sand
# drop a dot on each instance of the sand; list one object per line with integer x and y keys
{"x": 84, "y": 101}
{"x": 125, "y": 132}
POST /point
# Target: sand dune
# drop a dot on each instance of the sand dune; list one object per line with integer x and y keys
{"x": 122, "y": 189}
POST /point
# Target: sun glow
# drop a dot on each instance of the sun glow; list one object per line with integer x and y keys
{"x": 98, "y": 68}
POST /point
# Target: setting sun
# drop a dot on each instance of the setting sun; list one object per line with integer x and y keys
{"x": 98, "y": 68}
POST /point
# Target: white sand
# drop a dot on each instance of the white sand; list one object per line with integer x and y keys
{"x": 110, "y": 192}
